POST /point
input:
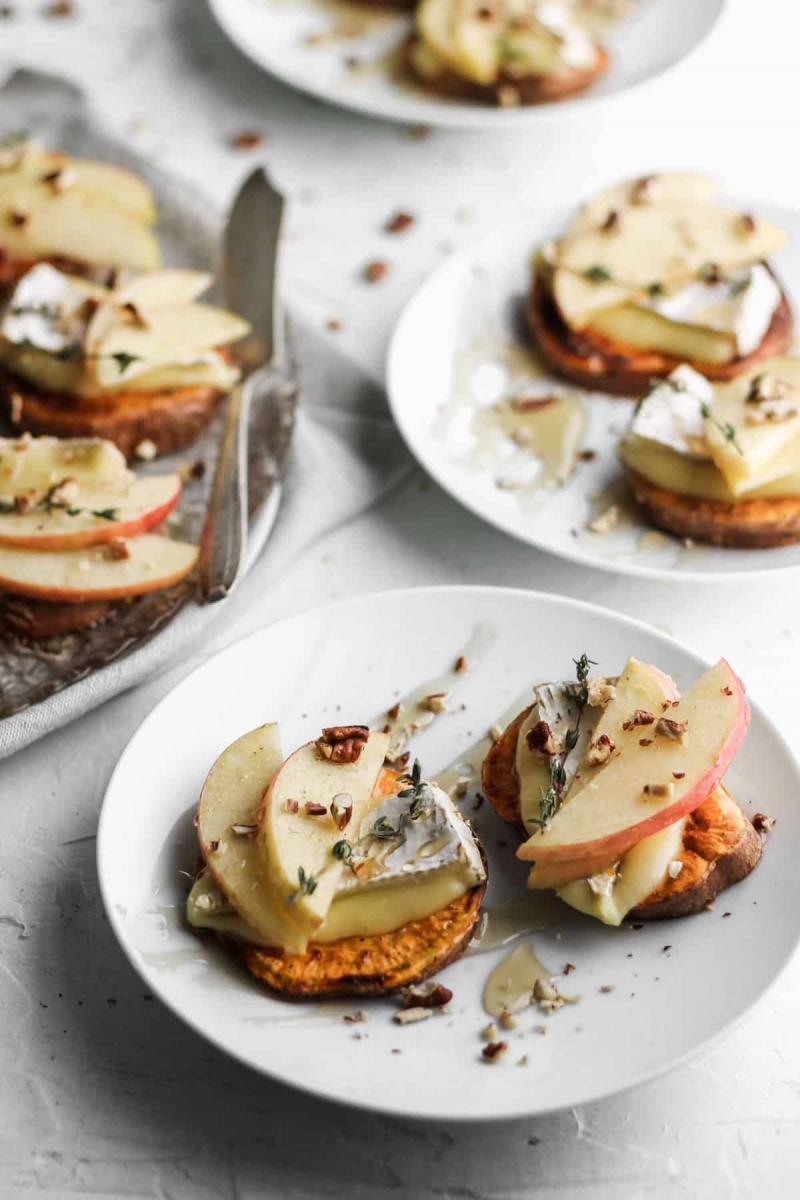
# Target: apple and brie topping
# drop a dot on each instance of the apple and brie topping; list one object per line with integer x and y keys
{"x": 507, "y": 49}
{"x": 720, "y": 462}
{"x": 306, "y": 854}
{"x": 66, "y": 335}
{"x": 656, "y": 272}
{"x": 71, "y": 210}
{"x": 77, "y": 528}
{"x": 617, "y": 784}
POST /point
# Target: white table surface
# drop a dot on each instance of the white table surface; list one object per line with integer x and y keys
{"x": 103, "y": 1092}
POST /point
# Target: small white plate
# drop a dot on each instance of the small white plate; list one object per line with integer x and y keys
{"x": 450, "y": 355}
{"x": 349, "y": 661}
{"x": 303, "y": 43}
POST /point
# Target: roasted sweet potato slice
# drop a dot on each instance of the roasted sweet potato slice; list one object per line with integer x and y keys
{"x": 757, "y": 524}
{"x": 594, "y": 361}
{"x": 720, "y": 845}
{"x": 370, "y": 966}
{"x": 171, "y": 420}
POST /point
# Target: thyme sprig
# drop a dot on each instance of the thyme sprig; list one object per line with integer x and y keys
{"x": 552, "y": 797}
{"x": 342, "y": 850}
{"x": 418, "y": 792}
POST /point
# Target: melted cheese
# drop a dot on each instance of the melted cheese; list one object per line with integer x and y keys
{"x": 610, "y": 897}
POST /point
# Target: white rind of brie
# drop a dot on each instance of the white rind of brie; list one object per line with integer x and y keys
{"x": 743, "y": 305}
{"x": 439, "y": 837}
{"x": 672, "y": 412}
{"x": 46, "y": 310}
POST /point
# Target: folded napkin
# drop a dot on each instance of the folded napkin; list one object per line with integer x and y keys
{"x": 346, "y": 453}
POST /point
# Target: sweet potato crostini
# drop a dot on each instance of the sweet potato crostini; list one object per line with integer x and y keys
{"x": 506, "y": 52}
{"x": 78, "y": 534}
{"x": 141, "y": 363}
{"x": 616, "y": 787}
{"x": 327, "y": 873}
{"x": 655, "y": 273}
{"x": 720, "y": 464}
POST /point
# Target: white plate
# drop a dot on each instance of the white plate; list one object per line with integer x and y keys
{"x": 468, "y": 311}
{"x": 348, "y": 661}
{"x": 275, "y": 35}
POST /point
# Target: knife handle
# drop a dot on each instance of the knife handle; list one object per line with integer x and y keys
{"x": 225, "y": 528}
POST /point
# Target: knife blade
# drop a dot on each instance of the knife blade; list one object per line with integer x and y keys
{"x": 250, "y": 283}
{"x": 250, "y": 269}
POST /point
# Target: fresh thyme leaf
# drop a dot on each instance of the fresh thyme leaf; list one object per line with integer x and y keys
{"x": 308, "y": 884}
{"x": 418, "y": 792}
{"x": 124, "y": 360}
{"x": 342, "y": 850}
{"x": 737, "y": 286}
{"x": 655, "y": 289}
{"x": 598, "y": 274}
{"x": 726, "y": 429}
{"x": 105, "y": 514}
{"x": 50, "y": 312}
{"x": 7, "y": 506}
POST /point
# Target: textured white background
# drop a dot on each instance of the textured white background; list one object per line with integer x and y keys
{"x": 104, "y": 1093}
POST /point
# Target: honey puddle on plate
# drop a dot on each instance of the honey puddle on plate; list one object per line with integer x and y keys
{"x": 504, "y": 416}
{"x": 511, "y": 983}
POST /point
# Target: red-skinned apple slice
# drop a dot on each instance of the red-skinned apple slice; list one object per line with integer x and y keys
{"x": 95, "y": 573}
{"x": 137, "y": 507}
{"x": 654, "y": 781}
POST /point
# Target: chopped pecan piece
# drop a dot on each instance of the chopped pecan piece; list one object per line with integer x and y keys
{"x": 600, "y": 751}
{"x": 494, "y": 1050}
{"x": 762, "y": 823}
{"x": 343, "y": 743}
{"x": 342, "y": 809}
{"x": 312, "y": 809}
{"x": 675, "y": 730}
{"x": 430, "y": 994}
{"x": 540, "y": 740}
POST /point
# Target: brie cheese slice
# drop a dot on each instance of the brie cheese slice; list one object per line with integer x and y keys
{"x": 47, "y": 310}
{"x": 743, "y": 304}
{"x": 672, "y": 413}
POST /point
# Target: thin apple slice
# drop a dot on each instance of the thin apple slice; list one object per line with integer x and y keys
{"x": 766, "y": 433}
{"x": 37, "y": 222}
{"x": 35, "y": 464}
{"x": 667, "y": 187}
{"x": 112, "y": 184}
{"x": 297, "y": 846}
{"x": 167, "y": 287}
{"x": 94, "y": 573}
{"x": 669, "y": 244}
{"x": 179, "y": 333}
{"x": 578, "y": 298}
{"x": 226, "y": 825}
{"x": 643, "y": 329}
{"x": 94, "y": 516}
{"x": 654, "y": 780}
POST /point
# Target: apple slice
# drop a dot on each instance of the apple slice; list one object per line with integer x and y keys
{"x": 226, "y": 825}
{"x": 159, "y": 288}
{"x": 179, "y": 333}
{"x": 35, "y": 464}
{"x": 766, "y": 441}
{"x": 297, "y": 846}
{"x": 668, "y": 187}
{"x": 112, "y": 184}
{"x": 653, "y": 780}
{"x": 94, "y": 573}
{"x": 37, "y": 222}
{"x": 578, "y": 299}
{"x": 136, "y": 508}
{"x": 643, "y": 329}
{"x": 669, "y": 244}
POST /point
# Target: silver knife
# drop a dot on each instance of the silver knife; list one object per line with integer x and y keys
{"x": 250, "y": 287}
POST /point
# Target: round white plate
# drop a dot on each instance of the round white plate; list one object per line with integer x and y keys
{"x": 449, "y": 357}
{"x": 304, "y": 43}
{"x": 348, "y": 661}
